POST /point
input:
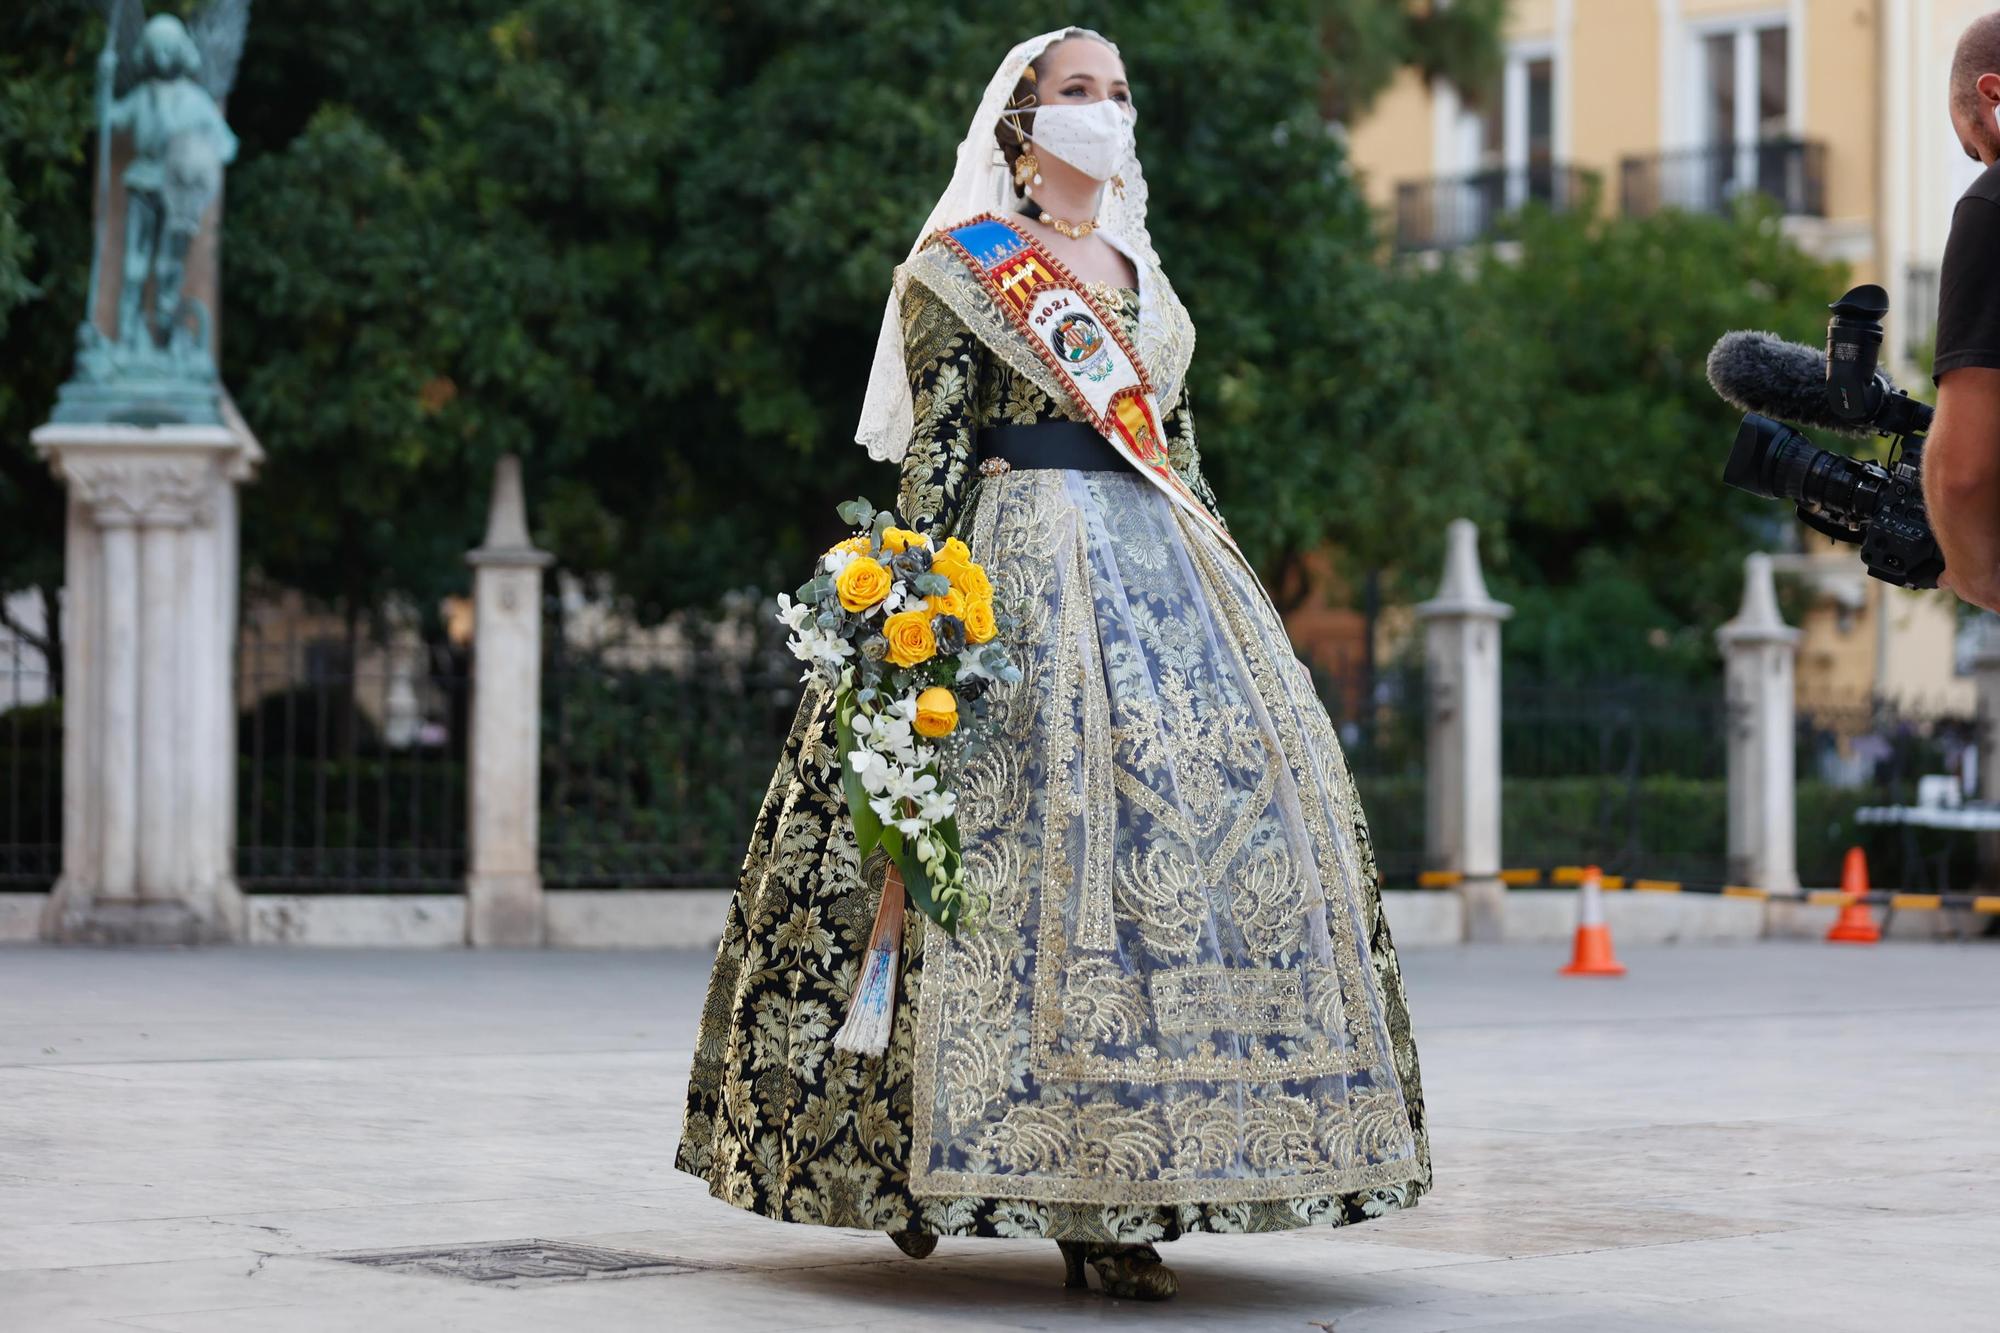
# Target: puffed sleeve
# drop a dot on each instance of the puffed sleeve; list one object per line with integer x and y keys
{"x": 1185, "y": 457}
{"x": 945, "y": 362}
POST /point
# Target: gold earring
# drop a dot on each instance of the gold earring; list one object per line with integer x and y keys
{"x": 1027, "y": 168}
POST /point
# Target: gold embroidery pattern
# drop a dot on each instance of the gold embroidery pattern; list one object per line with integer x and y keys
{"x": 779, "y": 1122}
{"x": 1239, "y": 999}
{"x": 1223, "y": 824}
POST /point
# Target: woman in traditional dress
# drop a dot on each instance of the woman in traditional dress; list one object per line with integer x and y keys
{"x": 1182, "y": 1011}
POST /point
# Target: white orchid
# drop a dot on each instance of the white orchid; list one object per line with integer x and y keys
{"x": 871, "y": 768}
{"x": 794, "y": 616}
{"x": 817, "y": 647}
{"x": 937, "y": 806}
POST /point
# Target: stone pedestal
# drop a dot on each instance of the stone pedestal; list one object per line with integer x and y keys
{"x": 1462, "y": 731}
{"x": 149, "y": 727}
{"x": 504, "y": 884}
{"x": 1758, "y": 649}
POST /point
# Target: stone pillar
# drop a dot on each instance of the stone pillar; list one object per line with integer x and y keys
{"x": 1462, "y": 731}
{"x": 149, "y": 738}
{"x": 1986, "y": 675}
{"x": 1758, "y": 650}
{"x": 504, "y": 885}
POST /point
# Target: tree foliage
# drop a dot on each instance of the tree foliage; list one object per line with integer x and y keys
{"x": 1611, "y": 528}
{"x": 646, "y": 247}
{"x": 46, "y": 56}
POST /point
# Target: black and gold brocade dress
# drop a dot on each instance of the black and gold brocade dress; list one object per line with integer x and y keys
{"x": 1185, "y": 1012}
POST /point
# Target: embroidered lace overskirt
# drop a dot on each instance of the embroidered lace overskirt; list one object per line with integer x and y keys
{"x": 1185, "y": 1012}
{"x": 1175, "y": 999}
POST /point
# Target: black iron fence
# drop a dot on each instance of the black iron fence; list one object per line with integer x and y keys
{"x": 1629, "y": 775}
{"x": 1710, "y": 179}
{"x": 31, "y": 768}
{"x": 1450, "y": 212}
{"x": 657, "y": 745}
{"x": 351, "y": 764}
{"x": 1379, "y": 715}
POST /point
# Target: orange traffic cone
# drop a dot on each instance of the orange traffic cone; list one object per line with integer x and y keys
{"x": 1593, "y": 956}
{"x": 1856, "y": 924}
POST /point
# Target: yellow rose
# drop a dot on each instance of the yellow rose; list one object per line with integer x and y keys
{"x": 979, "y": 626}
{"x": 951, "y": 558}
{"x": 972, "y": 582}
{"x": 898, "y": 540}
{"x": 854, "y": 545}
{"x": 937, "y": 712}
{"x": 951, "y": 604}
{"x": 862, "y": 584}
{"x": 910, "y": 638}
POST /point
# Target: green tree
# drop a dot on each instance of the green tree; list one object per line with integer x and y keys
{"x": 47, "y": 53}
{"x": 1611, "y": 530}
{"x": 646, "y": 246}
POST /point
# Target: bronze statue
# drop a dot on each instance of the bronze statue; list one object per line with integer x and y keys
{"x": 160, "y": 85}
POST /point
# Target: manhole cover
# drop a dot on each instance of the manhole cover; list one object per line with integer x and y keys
{"x": 513, "y": 1263}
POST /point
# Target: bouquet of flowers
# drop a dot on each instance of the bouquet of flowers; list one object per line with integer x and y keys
{"x": 908, "y": 638}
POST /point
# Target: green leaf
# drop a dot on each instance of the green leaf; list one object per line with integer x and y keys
{"x": 867, "y": 826}
{"x": 917, "y": 882}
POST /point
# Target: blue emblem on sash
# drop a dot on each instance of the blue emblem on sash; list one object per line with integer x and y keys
{"x": 989, "y": 242}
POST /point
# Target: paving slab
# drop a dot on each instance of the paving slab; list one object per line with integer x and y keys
{"x": 1755, "y": 1136}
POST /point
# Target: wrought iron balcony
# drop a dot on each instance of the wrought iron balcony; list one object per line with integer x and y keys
{"x": 1711, "y": 178}
{"x": 1448, "y": 212}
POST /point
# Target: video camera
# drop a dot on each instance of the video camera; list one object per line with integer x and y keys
{"x": 1879, "y": 506}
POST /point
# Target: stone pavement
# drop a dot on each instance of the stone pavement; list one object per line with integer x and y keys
{"x": 1752, "y": 1137}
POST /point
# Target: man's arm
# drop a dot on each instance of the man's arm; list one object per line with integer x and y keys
{"x": 1962, "y": 482}
{"x": 1962, "y": 457}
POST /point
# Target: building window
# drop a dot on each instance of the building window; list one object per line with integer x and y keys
{"x": 1511, "y": 141}
{"x": 1494, "y": 158}
{"x": 1742, "y": 84}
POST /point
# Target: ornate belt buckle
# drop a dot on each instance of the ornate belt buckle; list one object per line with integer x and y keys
{"x": 994, "y": 467}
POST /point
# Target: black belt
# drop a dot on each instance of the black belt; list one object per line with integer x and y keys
{"x": 1051, "y": 444}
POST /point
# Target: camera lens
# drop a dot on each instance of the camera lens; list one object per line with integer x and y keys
{"x": 1771, "y": 459}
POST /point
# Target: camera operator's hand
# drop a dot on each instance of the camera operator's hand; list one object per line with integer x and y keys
{"x": 1962, "y": 483}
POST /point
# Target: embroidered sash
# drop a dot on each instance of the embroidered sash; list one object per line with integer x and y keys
{"x": 1086, "y": 349}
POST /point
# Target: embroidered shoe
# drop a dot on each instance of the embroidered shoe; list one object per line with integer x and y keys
{"x": 916, "y": 1244}
{"x": 1130, "y": 1272}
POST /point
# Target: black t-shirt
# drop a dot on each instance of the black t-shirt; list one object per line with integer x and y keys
{"x": 1968, "y": 324}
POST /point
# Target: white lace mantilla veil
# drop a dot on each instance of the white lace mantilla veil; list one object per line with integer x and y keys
{"x": 981, "y": 183}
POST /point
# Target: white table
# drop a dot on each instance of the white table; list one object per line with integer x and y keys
{"x": 1972, "y": 817}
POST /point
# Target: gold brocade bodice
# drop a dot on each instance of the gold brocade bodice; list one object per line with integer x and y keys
{"x": 958, "y": 386}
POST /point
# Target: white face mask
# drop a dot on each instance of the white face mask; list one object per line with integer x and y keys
{"x": 1095, "y": 138}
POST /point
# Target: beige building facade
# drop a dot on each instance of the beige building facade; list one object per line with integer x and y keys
{"x": 1835, "y": 108}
